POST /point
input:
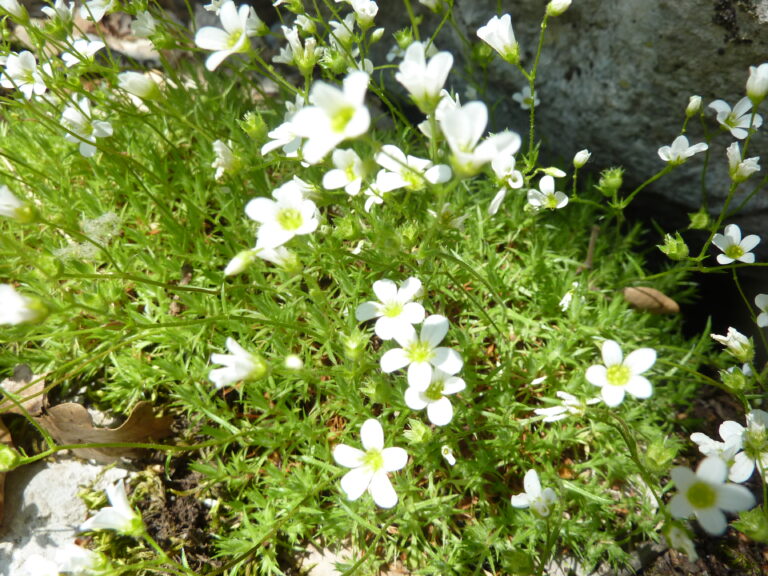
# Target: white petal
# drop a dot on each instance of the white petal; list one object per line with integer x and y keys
{"x": 639, "y": 387}
{"x": 261, "y": 209}
{"x": 611, "y": 353}
{"x": 394, "y": 459}
{"x": 597, "y": 375}
{"x": 712, "y": 470}
{"x": 612, "y": 395}
{"x": 733, "y": 498}
{"x": 419, "y": 375}
{"x": 212, "y": 38}
{"x": 680, "y": 507}
{"x": 355, "y": 482}
{"x": 521, "y": 500}
{"x": 385, "y": 290}
{"x": 712, "y": 520}
{"x": 372, "y": 435}
{"x": 640, "y": 360}
{"x": 366, "y": 311}
{"x": 413, "y": 313}
{"x": 447, "y": 360}
{"x": 382, "y": 491}
{"x": 749, "y": 242}
{"x": 532, "y": 484}
{"x": 414, "y": 398}
{"x": 440, "y": 413}
{"x": 742, "y": 468}
{"x": 410, "y": 289}
{"x": 348, "y": 456}
{"x": 394, "y": 360}
{"x": 731, "y": 430}
{"x": 434, "y": 329}
{"x": 453, "y": 385}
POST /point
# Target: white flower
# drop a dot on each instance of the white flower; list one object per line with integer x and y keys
{"x": 21, "y": 72}
{"x": 693, "y": 107}
{"x": 83, "y": 50}
{"x": 439, "y": 408}
{"x": 285, "y": 136}
{"x": 16, "y": 308}
{"x": 238, "y": 365}
{"x": 498, "y": 34}
{"x": 540, "y": 501}
{"x": 421, "y": 353}
{"x": 463, "y": 128}
{"x": 348, "y": 173}
{"x": 12, "y": 207}
{"x": 144, "y": 25}
{"x": 394, "y": 308}
{"x": 680, "y": 151}
{"x": 736, "y": 343}
{"x": 336, "y": 115}
{"x": 557, "y": 7}
{"x": 565, "y": 301}
{"x": 570, "y": 405}
{"x": 82, "y": 128}
{"x": 761, "y": 301}
{"x": 365, "y": 11}
{"x": 138, "y": 84}
{"x": 370, "y": 468}
{"x": 757, "y": 83}
{"x": 524, "y": 98}
{"x": 621, "y": 375}
{"x": 546, "y": 196}
{"x": 580, "y": 158}
{"x": 706, "y": 495}
{"x": 288, "y": 215}
{"x": 225, "y": 160}
{"x": 415, "y": 171}
{"x": 503, "y": 167}
{"x": 737, "y": 121}
{"x": 424, "y": 80}
{"x": 96, "y": 9}
{"x": 726, "y": 450}
{"x": 233, "y": 39}
{"x": 734, "y": 247}
{"x": 304, "y": 56}
{"x": 447, "y": 453}
{"x": 15, "y": 9}
{"x": 119, "y": 516}
{"x": 279, "y": 256}
{"x": 61, "y": 10}
{"x": 386, "y": 182}
{"x": 740, "y": 170}
{"x": 446, "y": 103}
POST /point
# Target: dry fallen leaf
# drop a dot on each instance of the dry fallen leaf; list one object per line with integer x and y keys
{"x": 71, "y": 423}
{"x": 650, "y": 300}
{"x": 29, "y": 387}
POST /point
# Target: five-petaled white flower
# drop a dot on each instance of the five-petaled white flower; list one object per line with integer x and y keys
{"x": 82, "y": 128}
{"x": 734, "y": 247}
{"x": 348, "y": 173}
{"x": 238, "y": 365}
{"x": 424, "y": 80}
{"x": 524, "y": 98}
{"x": 96, "y": 9}
{"x": 415, "y": 171}
{"x": 620, "y": 375}
{"x": 725, "y": 450}
{"x": 463, "y": 127}
{"x": 370, "y": 468}
{"x": 395, "y": 307}
{"x": 386, "y": 182}
{"x": 16, "y": 308}
{"x": 238, "y": 24}
{"x": 421, "y": 353}
{"x": 570, "y": 405}
{"x": 498, "y": 34}
{"x": 546, "y": 196}
{"x": 736, "y": 344}
{"x": 705, "y": 495}
{"x": 21, "y": 72}
{"x": 680, "y": 151}
{"x": 761, "y": 301}
{"x": 538, "y": 500}
{"x": 288, "y": 215}
{"x": 433, "y": 398}
{"x": 119, "y": 516}
{"x": 740, "y": 170}
{"x": 83, "y": 51}
{"x": 739, "y": 120}
{"x": 336, "y": 115}
{"x": 61, "y": 10}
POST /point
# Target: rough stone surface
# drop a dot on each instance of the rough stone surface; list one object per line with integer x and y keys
{"x": 615, "y": 77}
{"x": 43, "y": 508}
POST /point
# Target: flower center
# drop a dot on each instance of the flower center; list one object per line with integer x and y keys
{"x": 373, "y": 460}
{"x": 551, "y": 201}
{"x": 435, "y": 390}
{"x": 415, "y": 181}
{"x": 734, "y": 251}
{"x": 342, "y": 118}
{"x": 701, "y": 495}
{"x": 618, "y": 375}
{"x": 234, "y": 39}
{"x": 420, "y": 352}
{"x": 289, "y": 219}
{"x": 392, "y": 309}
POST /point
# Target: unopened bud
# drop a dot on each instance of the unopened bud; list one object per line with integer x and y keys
{"x": 610, "y": 181}
{"x": 699, "y": 220}
{"x": 674, "y": 247}
{"x": 557, "y": 7}
{"x": 694, "y": 106}
{"x": 581, "y": 158}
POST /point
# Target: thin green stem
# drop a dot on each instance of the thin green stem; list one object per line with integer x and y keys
{"x": 532, "y": 83}
{"x": 663, "y": 172}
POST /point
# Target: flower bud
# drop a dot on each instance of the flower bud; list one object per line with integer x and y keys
{"x": 240, "y": 262}
{"x": 699, "y": 220}
{"x": 581, "y": 158}
{"x": 694, "y": 106}
{"x": 757, "y": 83}
{"x": 557, "y": 7}
{"x": 610, "y": 181}
{"x": 377, "y": 35}
{"x": 674, "y": 247}
{"x": 354, "y": 345}
{"x": 141, "y": 85}
{"x": 293, "y": 362}
{"x": 253, "y": 125}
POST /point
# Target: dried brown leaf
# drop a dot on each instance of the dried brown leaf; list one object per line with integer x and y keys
{"x": 28, "y": 387}
{"x": 650, "y": 300}
{"x": 71, "y": 423}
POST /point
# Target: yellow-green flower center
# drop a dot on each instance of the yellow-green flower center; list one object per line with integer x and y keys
{"x": 618, "y": 375}
{"x": 234, "y": 38}
{"x": 392, "y": 309}
{"x": 420, "y": 352}
{"x": 415, "y": 180}
{"x": 435, "y": 390}
{"x": 341, "y": 118}
{"x": 734, "y": 251}
{"x": 373, "y": 460}
{"x": 289, "y": 218}
{"x": 551, "y": 201}
{"x": 701, "y": 495}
